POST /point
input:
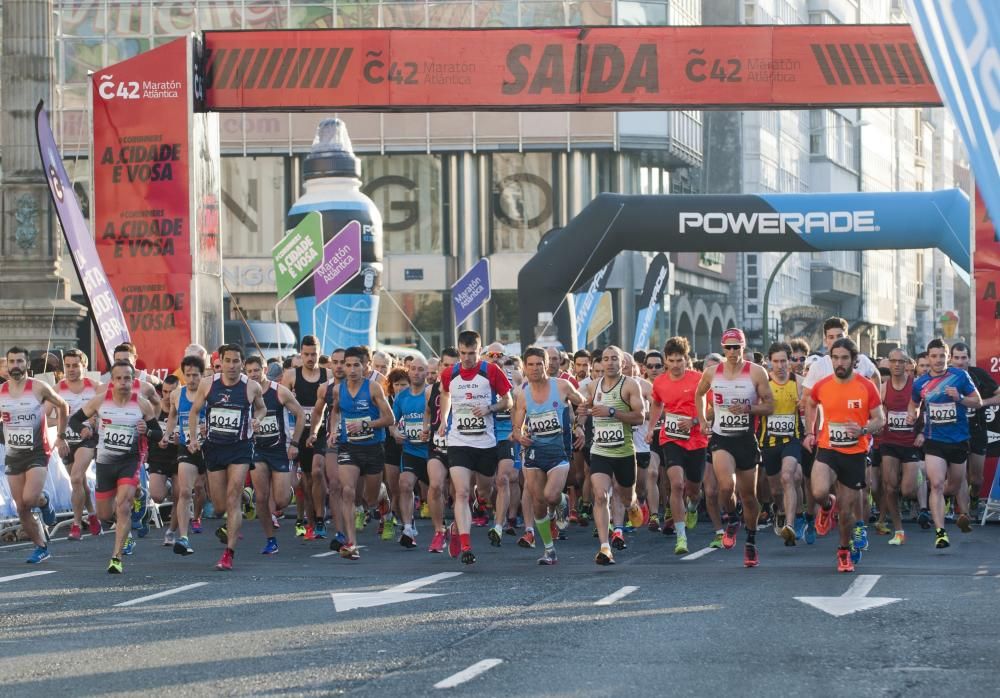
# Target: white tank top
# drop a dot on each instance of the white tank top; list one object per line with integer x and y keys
{"x": 75, "y": 402}
{"x": 727, "y": 392}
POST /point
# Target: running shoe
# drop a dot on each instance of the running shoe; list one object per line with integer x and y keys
{"x": 729, "y": 535}
{"x": 527, "y": 540}
{"x": 359, "y": 519}
{"x": 467, "y": 557}
{"x": 604, "y": 557}
{"x": 94, "y": 525}
{"x": 716, "y": 541}
{"x": 388, "y": 527}
{"x": 882, "y": 528}
{"x": 129, "y": 545}
{"x": 941, "y": 539}
{"x": 225, "y": 563}
{"x": 574, "y": 517}
{"x": 511, "y": 528}
{"x": 855, "y": 552}
{"x": 681, "y": 546}
{"x": 898, "y": 538}
{"x": 824, "y": 520}
{"x": 963, "y": 523}
{"x": 864, "y": 537}
{"x": 183, "y": 547}
{"x": 310, "y": 532}
{"x": 115, "y": 566}
{"x": 169, "y": 538}
{"x": 548, "y": 557}
{"x": 196, "y": 525}
{"x": 873, "y": 514}
{"x": 645, "y": 513}
{"x": 750, "y": 555}
{"x": 668, "y": 526}
{"x": 635, "y": 519}
{"x": 765, "y": 518}
{"x": 562, "y": 514}
{"x": 618, "y": 540}
{"x": 319, "y": 531}
{"x": 924, "y": 519}
{"x": 39, "y": 554}
{"x": 654, "y": 523}
{"x": 408, "y": 541}
{"x": 859, "y": 542}
{"x": 75, "y": 532}
{"x": 338, "y": 541}
{"x": 425, "y": 510}
{"x": 788, "y": 533}
{"x": 275, "y": 521}
{"x": 800, "y": 527}
{"x": 810, "y": 535}
{"x": 48, "y": 512}
{"x": 495, "y": 536}
{"x": 480, "y": 520}
{"x": 844, "y": 563}
{"x": 691, "y": 519}
{"x": 779, "y": 523}
{"x": 222, "y": 534}
{"x": 270, "y": 547}
{"x": 555, "y": 532}
{"x": 437, "y": 543}
{"x": 300, "y": 528}
{"x": 454, "y": 541}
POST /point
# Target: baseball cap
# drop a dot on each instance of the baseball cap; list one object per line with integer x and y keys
{"x": 733, "y": 336}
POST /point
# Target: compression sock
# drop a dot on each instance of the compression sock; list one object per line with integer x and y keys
{"x": 544, "y": 531}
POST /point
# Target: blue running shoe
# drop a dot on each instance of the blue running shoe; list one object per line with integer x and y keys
{"x": 863, "y": 543}
{"x": 48, "y": 513}
{"x": 319, "y": 530}
{"x": 810, "y": 532}
{"x": 129, "y": 545}
{"x": 271, "y": 547}
{"x": 800, "y": 527}
{"x": 856, "y": 543}
{"x": 40, "y": 554}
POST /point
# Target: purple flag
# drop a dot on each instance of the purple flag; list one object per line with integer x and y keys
{"x": 341, "y": 262}
{"x": 104, "y": 308}
{"x": 471, "y": 291}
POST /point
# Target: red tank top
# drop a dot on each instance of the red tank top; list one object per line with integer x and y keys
{"x": 897, "y": 432}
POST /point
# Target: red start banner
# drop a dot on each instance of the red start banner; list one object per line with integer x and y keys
{"x": 141, "y": 162}
{"x": 986, "y": 269}
{"x": 568, "y": 68}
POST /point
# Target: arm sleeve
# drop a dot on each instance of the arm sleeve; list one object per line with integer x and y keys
{"x": 153, "y": 430}
{"x": 78, "y": 420}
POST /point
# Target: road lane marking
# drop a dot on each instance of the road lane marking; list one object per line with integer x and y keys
{"x": 25, "y": 575}
{"x": 468, "y": 674}
{"x": 620, "y": 594}
{"x": 699, "y": 553}
{"x": 160, "y": 595}
{"x": 15, "y": 546}
{"x": 348, "y": 601}
{"x": 335, "y": 552}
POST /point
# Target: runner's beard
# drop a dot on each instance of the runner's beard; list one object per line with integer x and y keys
{"x": 16, "y": 374}
{"x": 842, "y": 372}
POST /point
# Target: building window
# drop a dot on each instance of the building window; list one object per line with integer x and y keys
{"x": 407, "y": 191}
{"x": 522, "y": 200}
{"x": 752, "y": 288}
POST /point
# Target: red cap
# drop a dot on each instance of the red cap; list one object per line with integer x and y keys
{"x": 733, "y": 336}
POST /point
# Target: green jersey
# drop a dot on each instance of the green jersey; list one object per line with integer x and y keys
{"x": 612, "y": 438}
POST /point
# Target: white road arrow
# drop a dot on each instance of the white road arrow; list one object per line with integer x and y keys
{"x": 348, "y": 601}
{"x": 853, "y": 600}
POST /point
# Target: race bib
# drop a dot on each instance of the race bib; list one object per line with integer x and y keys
{"x": 672, "y": 426}
{"x": 412, "y": 430}
{"x": 970, "y": 412}
{"x": 225, "y": 420}
{"x": 119, "y": 437}
{"x": 608, "y": 433}
{"x": 896, "y": 421}
{"x": 545, "y": 423}
{"x": 731, "y": 424}
{"x": 942, "y": 412}
{"x": 781, "y": 424}
{"x": 840, "y": 437}
{"x": 268, "y": 426}
{"x": 467, "y": 423}
{"x": 71, "y": 436}
{"x": 20, "y": 438}
{"x": 502, "y": 416}
{"x": 440, "y": 443}
{"x": 363, "y": 424}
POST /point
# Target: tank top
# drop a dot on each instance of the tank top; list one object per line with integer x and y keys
{"x": 612, "y": 438}
{"x": 784, "y": 425}
{"x": 639, "y": 430}
{"x": 409, "y": 411}
{"x": 118, "y": 439}
{"x": 677, "y": 398}
{"x": 440, "y": 443}
{"x": 727, "y": 392}
{"x": 546, "y": 422}
{"x": 305, "y": 392}
{"x": 359, "y": 409}
{"x": 465, "y": 428}
{"x": 271, "y": 432}
{"x": 184, "y": 416}
{"x": 897, "y": 432}
{"x": 25, "y": 429}
{"x": 168, "y": 454}
{"x": 75, "y": 402}
{"x": 228, "y": 412}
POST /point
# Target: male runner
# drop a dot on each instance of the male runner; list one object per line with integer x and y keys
{"x": 76, "y": 390}
{"x": 540, "y": 418}
{"x": 781, "y": 439}
{"x": 437, "y": 452}
{"x": 615, "y": 403}
{"x": 740, "y": 392}
{"x": 147, "y": 382}
{"x": 433, "y": 366}
{"x": 161, "y": 461}
{"x": 797, "y": 360}
{"x": 681, "y": 441}
{"x": 901, "y": 460}
{"x": 321, "y": 411}
{"x": 508, "y": 491}
{"x": 475, "y": 391}
{"x": 125, "y": 422}
{"x": 190, "y": 463}
{"x": 852, "y": 411}
{"x": 23, "y": 412}
{"x": 235, "y": 409}
{"x": 978, "y": 433}
{"x": 923, "y": 365}
{"x": 940, "y": 394}
{"x": 655, "y": 365}
{"x": 642, "y": 450}
{"x": 408, "y": 409}
{"x": 273, "y": 450}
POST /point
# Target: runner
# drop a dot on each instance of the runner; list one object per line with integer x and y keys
{"x": 396, "y": 382}
{"x": 901, "y": 460}
{"x": 852, "y": 411}
{"x": 978, "y": 433}
{"x": 781, "y": 441}
{"x": 508, "y": 490}
{"x": 190, "y": 462}
{"x": 126, "y": 421}
{"x": 408, "y": 409}
{"x": 161, "y": 461}
{"x": 740, "y": 392}
{"x": 923, "y": 365}
{"x": 540, "y": 417}
{"x": 614, "y": 402}
{"x": 274, "y": 449}
{"x": 945, "y": 437}
{"x": 234, "y": 411}
{"x": 654, "y": 365}
{"x": 680, "y": 441}
{"x": 76, "y": 390}
{"x": 145, "y": 382}
{"x": 321, "y": 413}
{"x": 26, "y": 438}
{"x": 475, "y": 390}
{"x": 437, "y": 452}
{"x": 639, "y": 433}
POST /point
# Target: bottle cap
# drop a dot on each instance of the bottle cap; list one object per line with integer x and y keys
{"x": 331, "y": 154}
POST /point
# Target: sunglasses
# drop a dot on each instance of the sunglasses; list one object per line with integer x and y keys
{"x": 798, "y": 360}
{"x": 495, "y": 355}
{"x": 652, "y": 366}
{"x": 733, "y": 347}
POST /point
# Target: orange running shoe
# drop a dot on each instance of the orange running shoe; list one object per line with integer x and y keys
{"x": 824, "y": 520}
{"x": 844, "y": 563}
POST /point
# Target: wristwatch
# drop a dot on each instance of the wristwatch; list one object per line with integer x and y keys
{"x": 612, "y": 411}
{"x": 864, "y": 430}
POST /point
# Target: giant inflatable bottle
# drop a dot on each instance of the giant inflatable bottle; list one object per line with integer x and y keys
{"x": 332, "y": 176}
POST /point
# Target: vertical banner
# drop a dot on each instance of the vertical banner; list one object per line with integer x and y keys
{"x": 104, "y": 308}
{"x": 586, "y": 303}
{"x": 986, "y": 275}
{"x": 604, "y": 315}
{"x": 142, "y": 201}
{"x": 472, "y": 291}
{"x": 652, "y": 295}
{"x": 961, "y": 41}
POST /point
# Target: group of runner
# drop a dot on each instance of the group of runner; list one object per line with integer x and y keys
{"x": 605, "y": 439}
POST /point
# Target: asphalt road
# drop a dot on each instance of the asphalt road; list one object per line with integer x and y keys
{"x": 289, "y": 625}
